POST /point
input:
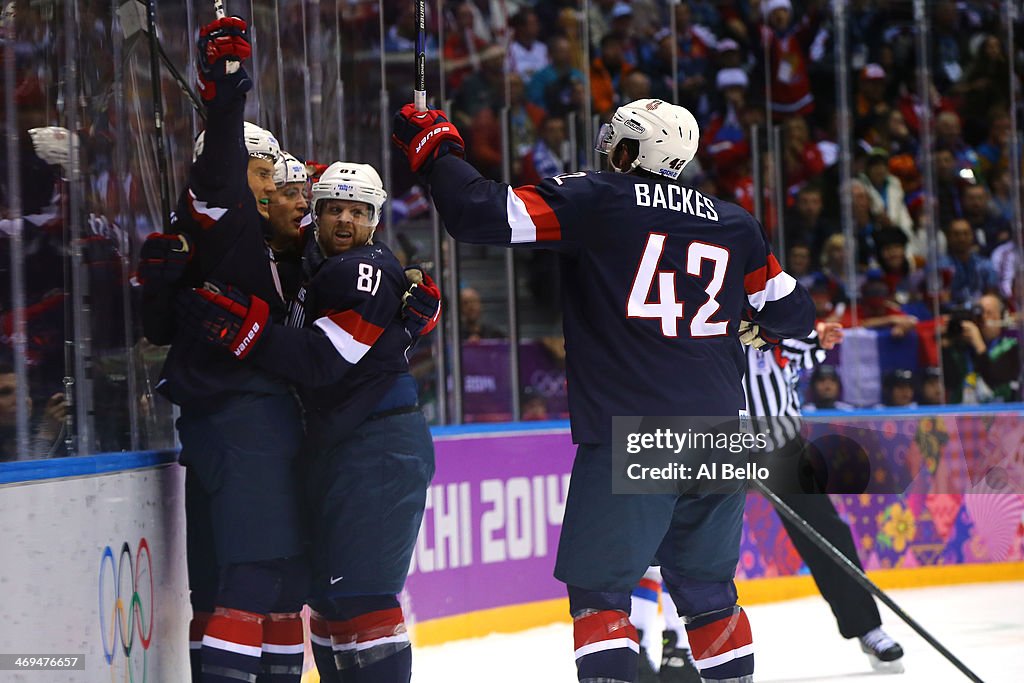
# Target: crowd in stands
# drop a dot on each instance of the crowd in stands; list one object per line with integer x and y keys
{"x": 741, "y": 63}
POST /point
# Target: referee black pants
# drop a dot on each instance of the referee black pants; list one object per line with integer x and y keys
{"x": 853, "y": 607}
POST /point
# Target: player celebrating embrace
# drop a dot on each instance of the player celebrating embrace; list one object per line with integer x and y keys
{"x": 370, "y": 454}
{"x": 657, "y": 278}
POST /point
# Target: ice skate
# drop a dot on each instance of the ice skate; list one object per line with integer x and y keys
{"x": 884, "y": 653}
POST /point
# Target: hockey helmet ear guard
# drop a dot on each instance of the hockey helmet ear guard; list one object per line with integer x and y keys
{"x": 351, "y": 182}
{"x": 666, "y": 135}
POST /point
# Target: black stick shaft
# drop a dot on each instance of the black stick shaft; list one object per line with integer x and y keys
{"x": 158, "y": 111}
{"x": 420, "y": 88}
{"x": 858, "y": 575}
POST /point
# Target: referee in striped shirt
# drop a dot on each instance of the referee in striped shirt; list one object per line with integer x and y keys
{"x": 770, "y": 385}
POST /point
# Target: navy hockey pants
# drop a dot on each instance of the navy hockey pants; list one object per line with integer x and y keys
{"x": 244, "y": 480}
{"x": 367, "y": 492}
{"x": 608, "y": 540}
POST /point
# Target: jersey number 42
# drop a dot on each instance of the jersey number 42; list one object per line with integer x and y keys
{"x": 666, "y": 308}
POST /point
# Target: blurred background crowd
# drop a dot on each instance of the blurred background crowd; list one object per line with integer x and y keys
{"x": 878, "y": 141}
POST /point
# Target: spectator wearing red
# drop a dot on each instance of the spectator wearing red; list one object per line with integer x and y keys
{"x": 787, "y": 43}
{"x": 462, "y": 46}
{"x": 801, "y": 157}
{"x": 876, "y": 309}
{"x": 725, "y": 146}
{"x": 872, "y": 109}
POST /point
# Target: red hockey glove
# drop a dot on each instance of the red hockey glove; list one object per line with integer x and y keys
{"x": 421, "y": 309}
{"x": 163, "y": 259}
{"x": 222, "y": 42}
{"x": 224, "y": 316}
{"x": 425, "y": 136}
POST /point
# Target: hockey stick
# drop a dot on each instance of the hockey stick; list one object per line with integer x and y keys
{"x": 158, "y": 112}
{"x": 419, "y": 93}
{"x": 857, "y": 574}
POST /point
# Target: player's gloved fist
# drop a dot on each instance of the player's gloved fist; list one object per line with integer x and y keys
{"x": 752, "y": 334}
{"x": 163, "y": 259}
{"x": 224, "y": 316}
{"x": 421, "y": 307}
{"x": 223, "y": 45}
{"x": 425, "y": 136}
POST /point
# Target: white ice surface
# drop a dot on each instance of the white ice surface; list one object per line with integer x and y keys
{"x": 796, "y": 642}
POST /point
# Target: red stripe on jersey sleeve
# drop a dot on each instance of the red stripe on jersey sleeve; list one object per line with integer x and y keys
{"x": 755, "y": 282}
{"x": 362, "y": 330}
{"x": 548, "y": 227}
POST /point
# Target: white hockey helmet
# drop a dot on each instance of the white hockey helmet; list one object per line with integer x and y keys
{"x": 259, "y": 143}
{"x": 288, "y": 169}
{"x": 666, "y": 136}
{"x": 352, "y": 182}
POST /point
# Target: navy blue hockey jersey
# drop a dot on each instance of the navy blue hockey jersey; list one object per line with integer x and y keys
{"x": 218, "y": 212}
{"x": 353, "y": 347}
{"x": 656, "y": 279}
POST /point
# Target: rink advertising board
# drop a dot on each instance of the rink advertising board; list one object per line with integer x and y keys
{"x": 94, "y": 566}
{"x": 490, "y": 530}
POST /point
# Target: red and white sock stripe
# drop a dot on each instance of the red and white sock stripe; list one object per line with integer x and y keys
{"x": 382, "y": 627}
{"x": 722, "y": 640}
{"x": 604, "y": 630}
{"x": 232, "y": 630}
{"x": 282, "y": 634}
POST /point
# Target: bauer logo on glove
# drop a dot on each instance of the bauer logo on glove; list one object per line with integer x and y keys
{"x": 425, "y": 136}
{"x": 225, "y": 316}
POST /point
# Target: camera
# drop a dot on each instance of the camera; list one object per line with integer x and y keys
{"x": 958, "y": 315}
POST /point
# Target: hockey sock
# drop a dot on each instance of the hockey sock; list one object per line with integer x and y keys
{"x": 373, "y": 646}
{"x": 283, "y": 648}
{"x": 323, "y": 653}
{"x": 722, "y": 645}
{"x": 673, "y": 622}
{"x": 606, "y": 646}
{"x": 644, "y": 607}
{"x": 196, "y": 629}
{"x": 232, "y": 646}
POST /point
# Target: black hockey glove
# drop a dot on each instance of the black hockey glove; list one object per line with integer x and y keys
{"x": 163, "y": 260}
{"x": 224, "y": 316}
{"x": 425, "y": 136}
{"x": 223, "y": 46}
{"x": 421, "y": 303}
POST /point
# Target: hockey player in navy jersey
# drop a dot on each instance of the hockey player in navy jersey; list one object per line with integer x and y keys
{"x": 288, "y": 212}
{"x": 656, "y": 280}
{"x": 370, "y": 454}
{"x": 240, "y": 426}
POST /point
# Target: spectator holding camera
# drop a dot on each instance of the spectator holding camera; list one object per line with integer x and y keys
{"x": 982, "y": 361}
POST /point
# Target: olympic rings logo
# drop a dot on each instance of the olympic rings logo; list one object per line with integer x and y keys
{"x": 126, "y": 604}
